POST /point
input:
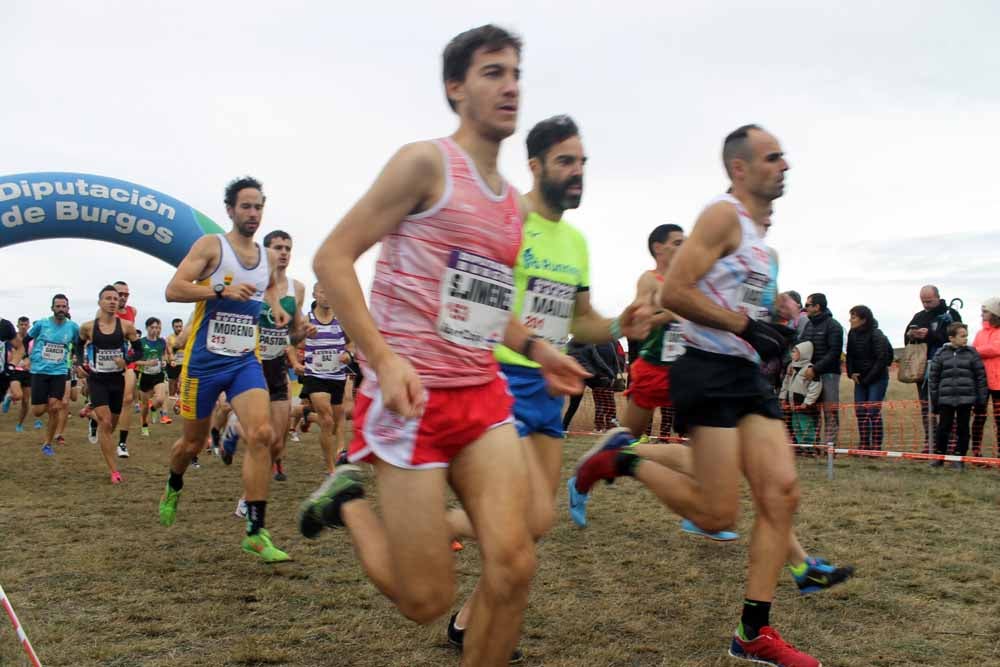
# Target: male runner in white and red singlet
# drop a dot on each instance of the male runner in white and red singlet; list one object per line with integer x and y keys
{"x": 722, "y": 283}
{"x": 127, "y": 313}
{"x": 433, "y": 410}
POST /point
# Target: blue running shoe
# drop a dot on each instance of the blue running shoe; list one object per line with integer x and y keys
{"x": 820, "y": 575}
{"x": 689, "y": 527}
{"x": 577, "y": 504}
{"x": 230, "y": 438}
{"x": 38, "y": 424}
{"x": 6, "y": 404}
{"x": 47, "y": 450}
{"x": 18, "y": 428}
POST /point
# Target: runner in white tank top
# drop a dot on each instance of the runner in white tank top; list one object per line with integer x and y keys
{"x": 719, "y": 282}
{"x": 432, "y": 398}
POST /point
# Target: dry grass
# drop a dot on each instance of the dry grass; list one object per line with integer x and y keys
{"x": 97, "y": 581}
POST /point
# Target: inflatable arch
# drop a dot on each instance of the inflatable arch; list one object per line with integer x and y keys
{"x": 52, "y": 205}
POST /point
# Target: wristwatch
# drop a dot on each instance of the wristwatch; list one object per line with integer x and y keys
{"x": 219, "y": 289}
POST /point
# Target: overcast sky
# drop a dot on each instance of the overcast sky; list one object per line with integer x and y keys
{"x": 888, "y": 113}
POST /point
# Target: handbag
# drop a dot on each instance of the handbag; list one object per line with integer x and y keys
{"x": 913, "y": 363}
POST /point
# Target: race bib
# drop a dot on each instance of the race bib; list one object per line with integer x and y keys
{"x": 179, "y": 357}
{"x": 750, "y": 297}
{"x": 672, "y": 346}
{"x": 272, "y": 342}
{"x": 476, "y": 295}
{"x": 153, "y": 369}
{"x": 105, "y": 361}
{"x": 54, "y": 352}
{"x": 548, "y": 309}
{"x": 325, "y": 361}
{"x": 231, "y": 334}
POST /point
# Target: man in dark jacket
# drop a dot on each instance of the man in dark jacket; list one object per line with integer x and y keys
{"x": 827, "y": 337}
{"x": 930, "y": 326}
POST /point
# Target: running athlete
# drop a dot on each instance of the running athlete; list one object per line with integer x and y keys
{"x": 328, "y": 351}
{"x": 51, "y": 339}
{"x": 721, "y": 283}
{"x": 552, "y": 298}
{"x": 20, "y": 373}
{"x": 228, "y": 277}
{"x": 107, "y": 336}
{"x": 152, "y": 389}
{"x": 7, "y": 333}
{"x": 433, "y": 410}
{"x": 129, "y": 314}
{"x": 175, "y": 352}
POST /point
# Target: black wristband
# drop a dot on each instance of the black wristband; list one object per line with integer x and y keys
{"x": 526, "y": 347}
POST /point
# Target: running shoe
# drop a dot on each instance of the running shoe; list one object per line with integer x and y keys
{"x": 644, "y": 439}
{"x": 230, "y": 438}
{"x": 122, "y": 451}
{"x": 168, "y": 506}
{"x": 343, "y": 485}
{"x": 145, "y": 431}
{"x": 599, "y": 462}
{"x": 294, "y": 436}
{"x": 38, "y": 424}
{"x": 260, "y": 544}
{"x": 18, "y": 428}
{"x": 456, "y": 545}
{"x": 116, "y": 477}
{"x": 577, "y": 504}
{"x": 689, "y": 527}
{"x": 342, "y": 458}
{"x": 241, "y": 509}
{"x": 165, "y": 419}
{"x": 92, "y": 432}
{"x": 194, "y": 463}
{"x": 60, "y": 440}
{"x": 47, "y": 450}
{"x": 456, "y": 638}
{"x": 820, "y": 575}
{"x": 177, "y": 408}
{"x": 768, "y": 648}
{"x": 279, "y": 472}
{"x": 6, "y": 404}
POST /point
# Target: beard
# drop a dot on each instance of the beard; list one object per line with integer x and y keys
{"x": 554, "y": 192}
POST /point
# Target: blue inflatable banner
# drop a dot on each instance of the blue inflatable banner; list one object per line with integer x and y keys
{"x": 52, "y": 205}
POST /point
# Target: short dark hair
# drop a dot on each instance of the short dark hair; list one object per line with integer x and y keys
{"x": 457, "y": 56}
{"x": 819, "y": 299}
{"x": 550, "y": 132}
{"x": 955, "y": 327}
{"x": 23, "y": 318}
{"x": 276, "y": 234}
{"x": 661, "y": 234}
{"x": 59, "y": 296}
{"x": 241, "y": 183}
{"x": 119, "y": 282}
{"x": 864, "y": 313}
{"x": 176, "y": 320}
{"x": 150, "y": 321}
{"x": 737, "y": 145}
{"x": 107, "y": 288}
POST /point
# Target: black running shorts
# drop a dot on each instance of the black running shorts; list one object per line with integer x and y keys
{"x": 45, "y": 387}
{"x": 149, "y": 382}
{"x": 107, "y": 389}
{"x": 315, "y": 385}
{"x": 718, "y": 390}
{"x": 174, "y": 372}
{"x": 276, "y": 376}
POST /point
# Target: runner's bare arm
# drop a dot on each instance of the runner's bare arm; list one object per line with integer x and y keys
{"x": 715, "y": 235}
{"x": 562, "y": 373}
{"x": 589, "y": 326}
{"x": 408, "y": 183}
{"x": 647, "y": 290}
{"x": 203, "y": 256}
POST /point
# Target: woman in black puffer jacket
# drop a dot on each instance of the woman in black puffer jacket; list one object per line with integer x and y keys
{"x": 957, "y": 383}
{"x": 869, "y": 355}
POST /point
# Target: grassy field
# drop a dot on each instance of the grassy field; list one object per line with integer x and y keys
{"x": 96, "y": 581}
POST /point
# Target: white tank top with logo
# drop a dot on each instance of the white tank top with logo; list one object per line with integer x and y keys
{"x": 741, "y": 282}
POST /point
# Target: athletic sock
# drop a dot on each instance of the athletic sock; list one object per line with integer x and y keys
{"x": 145, "y": 424}
{"x": 626, "y": 463}
{"x": 122, "y": 437}
{"x": 756, "y": 615}
{"x": 215, "y": 437}
{"x": 176, "y": 482}
{"x": 255, "y": 515}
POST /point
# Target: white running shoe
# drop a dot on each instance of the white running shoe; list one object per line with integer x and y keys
{"x": 294, "y": 436}
{"x": 122, "y": 451}
{"x": 241, "y": 509}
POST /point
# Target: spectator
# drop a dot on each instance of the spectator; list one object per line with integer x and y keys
{"x": 869, "y": 355}
{"x": 930, "y": 326}
{"x": 957, "y": 382}
{"x": 987, "y": 344}
{"x": 790, "y": 312}
{"x": 827, "y": 336}
{"x": 799, "y": 395}
{"x": 603, "y": 363}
